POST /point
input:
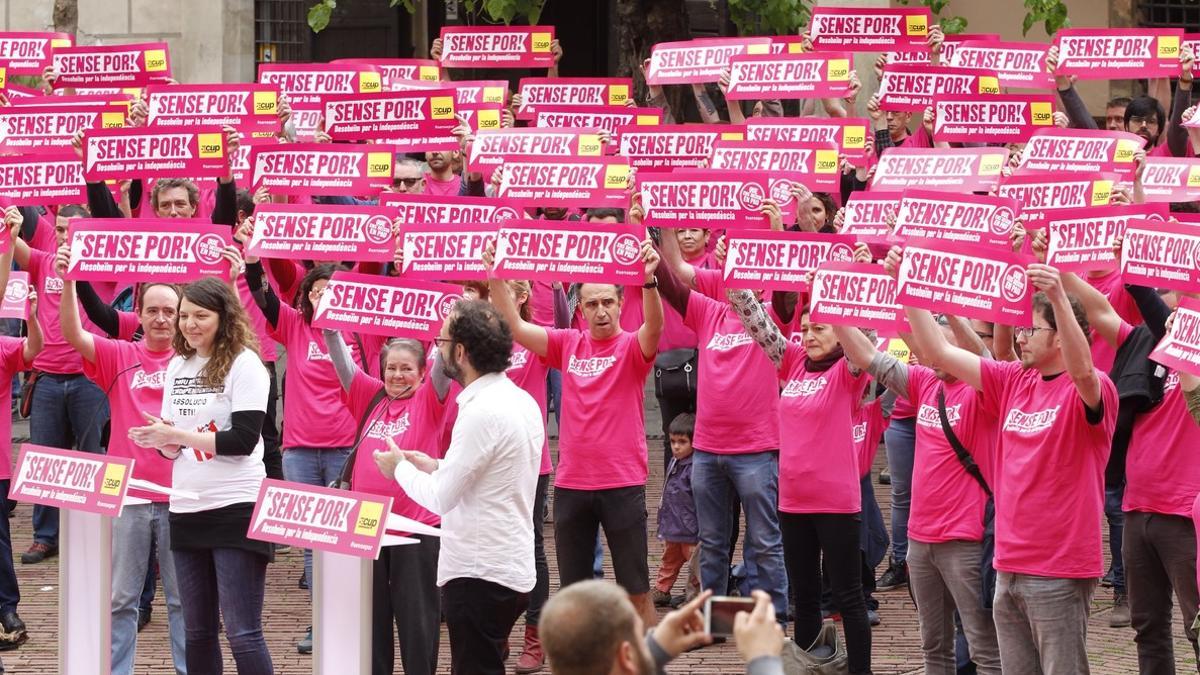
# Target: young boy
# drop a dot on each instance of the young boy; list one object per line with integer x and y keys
{"x": 677, "y": 515}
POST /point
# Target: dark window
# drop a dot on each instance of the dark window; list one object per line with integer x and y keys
{"x": 281, "y": 32}
{"x": 1169, "y": 14}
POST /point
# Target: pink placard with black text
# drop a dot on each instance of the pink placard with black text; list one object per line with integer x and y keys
{"x": 566, "y": 181}
{"x": 441, "y": 252}
{"x": 71, "y": 479}
{"x": 149, "y": 152}
{"x": 953, "y": 169}
{"x": 1115, "y": 53}
{"x": 308, "y": 516}
{"x": 1162, "y": 255}
{"x": 572, "y": 92}
{"x": 1080, "y": 240}
{"x": 713, "y": 198}
{"x": 963, "y": 218}
{"x": 855, "y": 29}
{"x": 322, "y": 232}
{"x": 173, "y": 250}
{"x": 321, "y": 168}
{"x": 306, "y": 84}
{"x": 451, "y": 209}
{"x": 699, "y": 61}
{"x": 391, "y": 306}
{"x": 133, "y": 65}
{"x": 770, "y": 76}
{"x": 913, "y": 88}
{"x": 849, "y": 133}
{"x": 497, "y": 46}
{"x": 855, "y": 294}
{"x": 998, "y": 118}
{"x": 1180, "y": 348}
{"x": 568, "y": 251}
{"x": 780, "y": 260}
{"x": 815, "y": 165}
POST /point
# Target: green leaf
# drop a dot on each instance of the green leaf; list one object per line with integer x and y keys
{"x": 1028, "y": 23}
{"x": 319, "y": 14}
{"x": 952, "y": 25}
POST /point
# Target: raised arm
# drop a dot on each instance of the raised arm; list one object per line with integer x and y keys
{"x": 758, "y": 324}
{"x": 966, "y": 337}
{"x": 1076, "y": 351}
{"x": 34, "y": 340}
{"x": 339, "y": 354}
{"x": 531, "y": 336}
{"x": 1177, "y": 136}
{"x": 936, "y": 350}
{"x": 264, "y": 296}
{"x": 1100, "y": 313}
{"x": 652, "y": 309}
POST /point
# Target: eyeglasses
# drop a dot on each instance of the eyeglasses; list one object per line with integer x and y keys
{"x": 439, "y": 341}
{"x": 1028, "y": 332}
{"x": 1135, "y": 122}
{"x": 984, "y": 336}
{"x": 408, "y": 182}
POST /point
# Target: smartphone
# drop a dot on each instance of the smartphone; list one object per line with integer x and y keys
{"x": 719, "y": 611}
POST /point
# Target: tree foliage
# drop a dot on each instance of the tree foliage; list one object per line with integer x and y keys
{"x": 778, "y": 17}
{"x": 498, "y": 11}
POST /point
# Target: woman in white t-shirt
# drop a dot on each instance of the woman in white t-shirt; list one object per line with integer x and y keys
{"x": 214, "y": 404}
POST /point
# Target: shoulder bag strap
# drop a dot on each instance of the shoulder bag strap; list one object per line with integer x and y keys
{"x": 964, "y": 457}
{"x": 343, "y": 481}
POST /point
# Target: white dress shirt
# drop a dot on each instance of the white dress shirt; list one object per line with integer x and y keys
{"x": 484, "y": 488}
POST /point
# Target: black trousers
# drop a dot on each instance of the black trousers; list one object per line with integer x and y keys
{"x": 806, "y": 537}
{"x": 541, "y": 592}
{"x": 1160, "y": 562}
{"x": 404, "y": 592}
{"x": 479, "y": 616}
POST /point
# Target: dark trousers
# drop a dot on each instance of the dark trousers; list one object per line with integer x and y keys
{"x": 541, "y": 591}
{"x": 1160, "y": 558}
{"x": 404, "y": 591}
{"x": 806, "y": 537}
{"x": 10, "y": 595}
{"x": 272, "y": 456}
{"x": 479, "y": 616}
{"x": 223, "y": 586}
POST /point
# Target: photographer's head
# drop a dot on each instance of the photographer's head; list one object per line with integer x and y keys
{"x": 591, "y": 628}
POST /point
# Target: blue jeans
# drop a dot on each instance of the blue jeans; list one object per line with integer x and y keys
{"x": 554, "y": 394}
{"x": 68, "y": 410}
{"x": 1113, "y": 496}
{"x": 754, "y": 478}
{"x": 10, "y": 593}
{"x": 223, "y": 585}
{"x": 313, "y": 466}
{"x": 900, "y": 439}
{"x": 131, "y": 537}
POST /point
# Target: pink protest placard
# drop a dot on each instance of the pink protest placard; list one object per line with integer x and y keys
{"x": 849, "y": 133}
{"x": 1162, "y": 255}
{"x": 914, "y": 87}
{"x": 134, "y": 65}
{"x": 392, "y": 70}
{"x": 765, "y": 259}
{"x": 1016, "y": 64}
{"x": 815, "y": 165}
{"x": 322, "y": 232}
{"x": 491, "y": 147}
{"x": 673, "y": 146}
{"x": 953, "y": 169}
{"x": 15, "y": 304}
{"x": 42, "y": 180}
{"x": 855, "y": 294}
{"x": 477, "y": 92}
{"x": 1053, "y": 150}
{"x": 307, "y": 516}
{"x": 205, "y": 105}
{"x": 608, "y": 118}
{"x": 497, "y": 46}
{"x": 438, "y": 252}
{"x": 565, "y": 181}
{"x": 556, "y": 250}
{"x": 1180, "y": 348}
{"x": 1113, "y": 53}
{"x": 147, "y": 152}
{"x": 28, "y": 53}
{"x": 369, "y": 303}
{"x": 811, "y": 75}
{"x": 1081, "y": 240}
{"x": 866, "y": 215}
{"x": 699, "y": 61}
{"x": 73, "y": 100}
{"x": 419, "y": 119}
{"x": 713, "y": 198}
{"x": 1039, "y": 194}
{"x": 950, "y": 44}
{"x": 976, "y": 282}
{"x": 321, "y": 168}
{"x": 1171, "y": 179}
{"x": 413, "y": 209}
{"x": 239, "y": 160}
{"x": 17, "y": 92}
{"x": 35, "y": 128}
{"x": 70, "y": 479}
{"x": 1191, "y": 41}
{"x": 305, "y": 84}
{"x": 993, "y": 118}
{"x": 571, "y": 91}
{"x": 855, "y": 29}
{"x": 964, "y": 218}
{"x": 173, "y": 250}
{"x": 482, "y": 116}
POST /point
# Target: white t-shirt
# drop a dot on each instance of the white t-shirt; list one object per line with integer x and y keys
{"x": 218, "y": 480}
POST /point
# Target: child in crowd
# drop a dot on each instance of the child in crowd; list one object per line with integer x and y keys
{"x": 677, "y": 516}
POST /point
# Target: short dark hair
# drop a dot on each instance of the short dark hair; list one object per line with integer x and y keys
{"x": 73, "y": 211}
{"x": 483, "y": 333}
{"x": 1144, "y": 106}
{"x": 684, "y": 424}
{"x": 1042, "y": 307}
{"x": 606, "y": 212}
{"x": 245, "y": 202}
{"x": 317, "y": 273}
{"x": 1118, "y": 102}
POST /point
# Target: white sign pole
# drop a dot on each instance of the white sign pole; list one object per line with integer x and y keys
{"x": 84, "y": 593}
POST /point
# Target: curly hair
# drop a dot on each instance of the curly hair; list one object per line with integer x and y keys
{"x": 484, "y": 335}
{"x": 1043, "y": 307}
{"x": 161, "y": 184}
{"x": 314, "y": 275}
{"x": 233, "y": 330}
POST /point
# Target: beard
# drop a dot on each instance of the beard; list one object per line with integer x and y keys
{"x": 452, "y": 371}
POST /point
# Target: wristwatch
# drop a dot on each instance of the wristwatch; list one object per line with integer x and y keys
{"x": 653, "y": 283}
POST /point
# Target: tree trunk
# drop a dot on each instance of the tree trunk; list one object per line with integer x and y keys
{"x": 66, "y": 16}
{"x": 640, "y": 25}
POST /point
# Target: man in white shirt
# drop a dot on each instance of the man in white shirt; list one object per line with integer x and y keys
{"x": 483, "y": 490}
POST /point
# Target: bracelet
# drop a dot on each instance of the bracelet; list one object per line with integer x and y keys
{"x": 650, "y": 284}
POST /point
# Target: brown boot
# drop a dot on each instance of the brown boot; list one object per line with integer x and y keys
{"x": 531, "y": 658}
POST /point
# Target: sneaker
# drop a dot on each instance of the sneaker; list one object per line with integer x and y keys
{"x": 873, "y": 617}
{"x": 144, "y": 617}
{"x": 12, "y": 631}
{"x": 532, "y": 658}
{"x": 660, "y": 599}
{"x": 895, "y": 576}
{"x": 38, "y": 552}
{"x": 885, "y": 476}
{"x": 1107, "y": 580}
{"x": 304, "y": 646}
{"x": 1120, "y": 612}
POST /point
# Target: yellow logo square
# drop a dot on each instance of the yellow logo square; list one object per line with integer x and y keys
{"x": 1193, "y": 179}
{"x": 826, "y": 161}
{"x": 618, "y": 94}
{"x": 487, "y": 119}
{"x": 156, "y": 60}
{"x": 114, "y": 478}
{"x": 212, "y": 146}
{"x": 370, "y": 517}
{"x": 379, "y": 165}
{"x": 1168, "y": 46}
{"x": 441, "y": 107}
{"x": 854, "y": 137}
{"x": 428, "y": 73}
{"x": 839, "y": 70}
{"x": 112, "y": 120}
{"x": 135, "y": 92}
{"x": 493, "y": 94}
{"x": 616, "y": 176}
{"x": 733, "y": 136}
{"x": 989, "y": 85}
{"x": 265, "y": 102}
{"x": 795, "y": 48}
{"x": 916, "y": 25}
{"x": 369, "y": 82}
{"x": 541, "y": 42}
{"x": 647, "y": 120}
{"x": 989, "y": 165}
{"x": 1041, "y": 113}
{"x": 59, "y": 42}
{"x": 898, "y": 349}
{"x": 758, "y": 49}
{"x": 3, "y": 77}
{"x": 1101, "y": 192}
{"x": 590, "y": 145}
{"x": 1126, "y": 150}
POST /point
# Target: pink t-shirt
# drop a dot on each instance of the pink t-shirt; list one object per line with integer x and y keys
{"x": 12, "y": 361}
{"x": 818, "y": 463}
{"x": 133, "y": 376}
{"x": 737, "y": 402}
{"x": 1196, "y": 524}
{"x": 414, "y": 423}
{"x": 1160, "y": 150}
{"x": 541, "y": 304}
{"x": 57, "y": 356}
{"x": 602, "y": 438}
{"x": 1161, "y": 471}
{"x": 314, "y": 413}
{"x": 528, "y": 372}
{"x": 868, "y": 428}
{"x": 1113, "y": 288}
{"x": 443, "y": 188}
{"x": 1050, "y": 488}
{"x": 947, "y": 503}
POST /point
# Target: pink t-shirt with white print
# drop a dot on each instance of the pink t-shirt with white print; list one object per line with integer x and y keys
{"x": 528, "y": 372}
{"x": 868, "y": 429}
{"x": 314, "y": 413}
{"x": 1050, "y": 484}
{"x": 57, "y": 356}
{"x": 602, "y": 442}
{"x": 1162, "y": 473}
